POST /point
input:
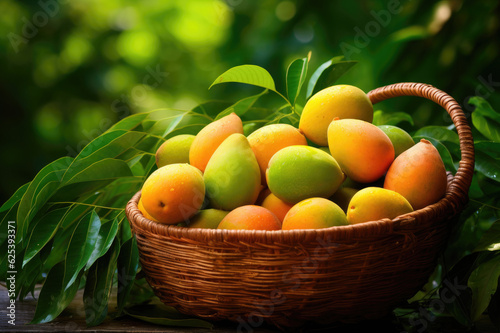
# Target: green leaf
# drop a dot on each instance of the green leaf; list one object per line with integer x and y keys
{"x": 111, "y": 145}
{"x": 128, "y": 264}
{"x": 241, "y": 107}
{"x": 327, "y": 74}
{"x": 55, "y": 295}
{"x": 485, "y": 119}
{"x": 491, "y": 239}
{"x": 439, "y": 133}
{"x": 48, "y": 174}
{"x": 443, "y": 151}
{"x": 211, "y": 108}
{"x": 488, "y": 147}
{"x": 487, "y": 165}
{"x": 105, "y": 169}
{"x": 391, "y": 118}
{"x": 98, "y": 286}
{"x": 15, "y": 198}
{"x": 129, "y": 123}
{"x": 42, "y": 232}
{"x": 248, "y": 74}
{"x": 105, "y": 238}
{"x": 81, "y": 246}
{"x": 295, "y": 78}
{"x": 483, "y": 282}
{"x": 164, "y": 315}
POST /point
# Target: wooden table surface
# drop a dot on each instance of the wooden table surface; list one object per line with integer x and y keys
{"x": 72, "y": 319}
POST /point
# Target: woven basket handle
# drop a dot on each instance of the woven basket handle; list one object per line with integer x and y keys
{"x": 459, "y": 187}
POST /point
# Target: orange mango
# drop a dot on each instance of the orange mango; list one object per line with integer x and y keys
{"x": 210, "y": 137}
{"x": 268, "y": 140}
{"x": 363, "y": 151}
{"x": 418, "y": 174}
{"x": 250, "y": 217}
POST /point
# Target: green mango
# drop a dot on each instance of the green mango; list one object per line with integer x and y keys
{"x": 232, "y": 175}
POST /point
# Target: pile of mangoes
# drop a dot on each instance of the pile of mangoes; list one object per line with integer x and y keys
{"x": 336, "y": 169}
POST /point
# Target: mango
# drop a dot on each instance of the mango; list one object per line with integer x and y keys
{"x": 277, "y": 206}
{"x": 232, "y": 176}
{"x": 268, "y": 140}
{"x": 341, "y": 101}
{"x": 144, "y": 212}
{"x": 296, "y": 173}
{"x": 173, "y": 193}
{"x": 343, "y": 196}
{"x": 314, "y": 213}
{"x": 400, "y": 139}
{"x": 375, "y": 203}
{"x": 207, "y": 218}
{"x": 210, "y": 137}
{"x": 363, "y": 151}
{"x": 250, "y": 217}
{"x": 174, "y": 150}
{"x": 419, "y": 175}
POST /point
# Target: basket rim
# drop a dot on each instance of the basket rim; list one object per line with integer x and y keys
{"x": 452, "y": 203}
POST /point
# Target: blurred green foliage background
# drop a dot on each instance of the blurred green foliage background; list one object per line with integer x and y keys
{"x": 69, "y": 70}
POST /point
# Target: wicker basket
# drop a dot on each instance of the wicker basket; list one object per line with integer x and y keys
{"x": 348, "y": 273}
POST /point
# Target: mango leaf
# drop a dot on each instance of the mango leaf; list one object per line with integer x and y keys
{"x": 211, "y": 108}
{"x": 443, "y": 151}
{"x": 128, "y": 264}
{"x": 439, "y": 133}
{"x": 485, "y": 119}
{"x": 42, "y": 232}
{"x": 98, "y": 286}
{"x": 483, "y": 282}
{"x": 15, "y": 198}
{"x": 105, "y": 169}
{"x": 81, "y": 246}
{"x": 242, "y": 106}
{"x": 295, "y": 78}
{"x": 249, "y": 74}
{"x": 105, "y": 238}
{"x": 327, "y": 74}
{"x": 97, "y": 144}
{"x": 488, "y": 147}
{"x": 55, "y": 295}
{"x": 487, "y": 165}
{"x": 129, "y": 123}
{"x": 391, "y": 118}
{"x": 164, "y": 315}
{"x": 28, "y": 277}
{"x": 119, "y": 141}
{"x": 491, "y": 239}
{"x": 46, "y": 175}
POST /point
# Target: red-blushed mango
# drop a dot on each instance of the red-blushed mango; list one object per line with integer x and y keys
{"x": 250, "y": 217}
{"x": 173, "y": 193}
{"x": 314, "y": 213}
{"x": 232, "y": 176}
{"x": 419, "y": 175}
{"x": 144, "y": 211}
{"x": 277, "y": 206}
{"x": 268, "y": 140}
{"x": 341, "y": 101}
{"x": 210, "y": 137}
{"x": 174, "y": 150}
{"x": 376, "y": 203}
{"x": 296, "y": 173}
{"x": 363, "y": 151}
{"x": 207, "y": 218}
